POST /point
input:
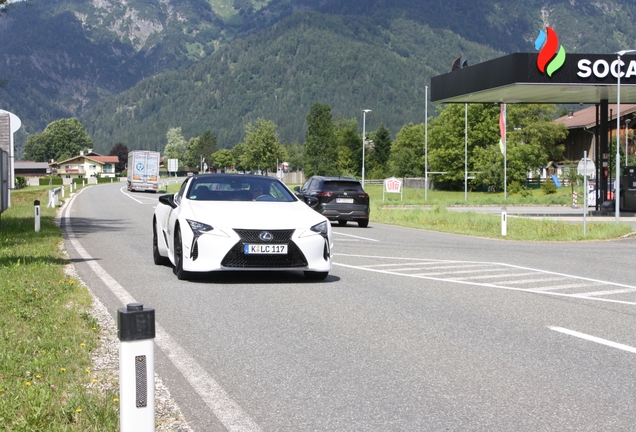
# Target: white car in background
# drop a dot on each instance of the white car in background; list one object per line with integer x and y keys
{"x": 229, "y": 222}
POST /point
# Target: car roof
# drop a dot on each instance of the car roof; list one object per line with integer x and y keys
{"x": 331, "y": 178}
{"x": 242, "y": 177}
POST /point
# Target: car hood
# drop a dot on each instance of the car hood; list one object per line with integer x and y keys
{"x": 255, "y": 214}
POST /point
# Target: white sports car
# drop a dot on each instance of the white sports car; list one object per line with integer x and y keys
{"x": 220, "y": 222}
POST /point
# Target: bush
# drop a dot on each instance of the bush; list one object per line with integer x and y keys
{"x": 516, "y": 188}
{"x": 20, "y": 182}
{"x": 548, "y": 187}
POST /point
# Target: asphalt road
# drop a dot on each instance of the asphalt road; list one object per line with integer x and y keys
{"x": 413, "y": 330}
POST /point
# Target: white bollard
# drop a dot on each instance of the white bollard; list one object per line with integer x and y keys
{"x": 504, "y": 221}
{"x": 62, "y": 191}
{"x": 82, "y": 182}
{"x": 36, "y": 205}
{"x": 136, "y": 331}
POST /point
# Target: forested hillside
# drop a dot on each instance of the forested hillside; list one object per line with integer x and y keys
{"x": 341, "y": 61}
{"x": 269, "y": 58}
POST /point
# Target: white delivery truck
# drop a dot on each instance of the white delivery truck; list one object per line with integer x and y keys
{"x": 143, "y": 170}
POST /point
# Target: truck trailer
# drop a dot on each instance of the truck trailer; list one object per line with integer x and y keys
{"x": 143, "y": 171}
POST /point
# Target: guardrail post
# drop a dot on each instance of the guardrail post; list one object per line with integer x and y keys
{"x": 504, "y": 221}
{"x": 36, "y": 206}
{"x": 136, "y": 331}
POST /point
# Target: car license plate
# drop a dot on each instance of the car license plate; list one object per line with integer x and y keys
{"x": 266, "y": 249}
{"x": 344, "y": 200}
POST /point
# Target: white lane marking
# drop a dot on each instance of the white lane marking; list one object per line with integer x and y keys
{"x": 351, "y": 235}
{"x": 128, "y": 195}
{"x": 394, "y": 264}
{"x": 524, "y": 281}
{"x": 419, "y": 267}
{"x": 600, "y": 293}
{"x": 491, "y": 285}
{"x": 566, "y": 286}
{"x": 215, "y": 397}
{"x": 495, "y": 276}
{"x": 462, "y": 271}
{"x": 594, "y": 339}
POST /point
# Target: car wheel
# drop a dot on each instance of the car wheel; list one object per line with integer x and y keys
{"x": 178, "y": 257}
{"x": 363, "y": 223}
{"x": 342, "y": 223}
{"x": 156, "y": 256}
{"x": 311, "y": 275}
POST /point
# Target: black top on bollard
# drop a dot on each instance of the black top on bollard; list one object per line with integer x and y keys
{"x": 135, "y": 323}
{"x": 36, "y": 202}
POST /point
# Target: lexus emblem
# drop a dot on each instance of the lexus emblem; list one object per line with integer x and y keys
{"x": 345, "y": 193}
{"x": 266, "y": 236}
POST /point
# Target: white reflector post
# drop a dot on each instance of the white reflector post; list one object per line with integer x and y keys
{"x": 504, "y": 221}
{"x": 36, "y": 210}
{"x": 136, "y": 331}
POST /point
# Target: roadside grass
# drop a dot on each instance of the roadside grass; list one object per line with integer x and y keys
{"x": 439, "y": 218}
{"x": 46, "y": 331}
{"x": 433, "y": 214}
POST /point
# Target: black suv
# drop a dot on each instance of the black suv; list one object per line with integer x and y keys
{"x": 340, "y": 199}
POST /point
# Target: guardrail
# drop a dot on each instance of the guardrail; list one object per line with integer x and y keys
{"x": 54, "y": 197}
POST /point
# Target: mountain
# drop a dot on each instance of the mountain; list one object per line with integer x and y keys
{"x": 346, "y": 62}
{"x": 133, "y": 68}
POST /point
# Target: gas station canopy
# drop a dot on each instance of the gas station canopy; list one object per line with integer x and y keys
{"x": 515, "y": 78}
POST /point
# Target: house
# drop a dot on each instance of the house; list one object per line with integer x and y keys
{"x": 85, "y": 166}
{"x": 32, "y": 171}
{"x": 582, "y": 129}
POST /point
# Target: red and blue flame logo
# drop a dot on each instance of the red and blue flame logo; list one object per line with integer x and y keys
{"x": 550, "y": 58}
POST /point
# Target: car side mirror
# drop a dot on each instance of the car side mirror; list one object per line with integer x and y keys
{"x": 297, "y": 188}
{"x": 311, "y": 201}
{"x": 168, "y": 200}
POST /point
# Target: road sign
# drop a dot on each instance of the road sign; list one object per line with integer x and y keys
{"x": 586, "y": 164}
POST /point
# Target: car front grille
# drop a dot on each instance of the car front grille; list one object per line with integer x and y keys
{"x": 237, "y": 259}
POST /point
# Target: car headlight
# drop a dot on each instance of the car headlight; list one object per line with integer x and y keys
{"x": 199, "y": 228}
{"x": 322, "y": 228}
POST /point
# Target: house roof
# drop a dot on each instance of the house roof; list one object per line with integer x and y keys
{"x": 586, "y": 118}
{"x": 106, "y": 159}
{"x": 30, "y": 165}
{"x": 100, "y": 159}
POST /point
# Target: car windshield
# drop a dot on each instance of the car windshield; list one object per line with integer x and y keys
{"x": 339, "y": 185}
{"x": 238, "y": 188}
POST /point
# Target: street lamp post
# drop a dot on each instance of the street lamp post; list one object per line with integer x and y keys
{"x": 626, "y": 138}
{"x": 426, "y": 144}
{"x": 617, "y": 181}
{"x": 364, "y": 138}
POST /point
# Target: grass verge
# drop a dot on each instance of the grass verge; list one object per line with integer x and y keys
{"x": 47, "y": 333}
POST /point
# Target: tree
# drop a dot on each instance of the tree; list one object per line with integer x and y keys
{"x": 379, "y": 157}
{"x": 36, "y": 148}
{"x": 406, "y": 158}
{"x": 176, "y": 146}
{"x": 262, "y": 147}
{"x": 295, "y": 156}
{"x": 532, "y": 140}
{"x": 237, "y": 153}
{"x": 202, "y": 147}
{"x": 223, "y": 159}
{"x": 60, "y": 140}
{"x": 349, "y": 147}
{"x": 121, "y": 151}
{"x": 321, "y": 153}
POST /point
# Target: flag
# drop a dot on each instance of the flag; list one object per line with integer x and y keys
{"x": 502, "y": 128}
